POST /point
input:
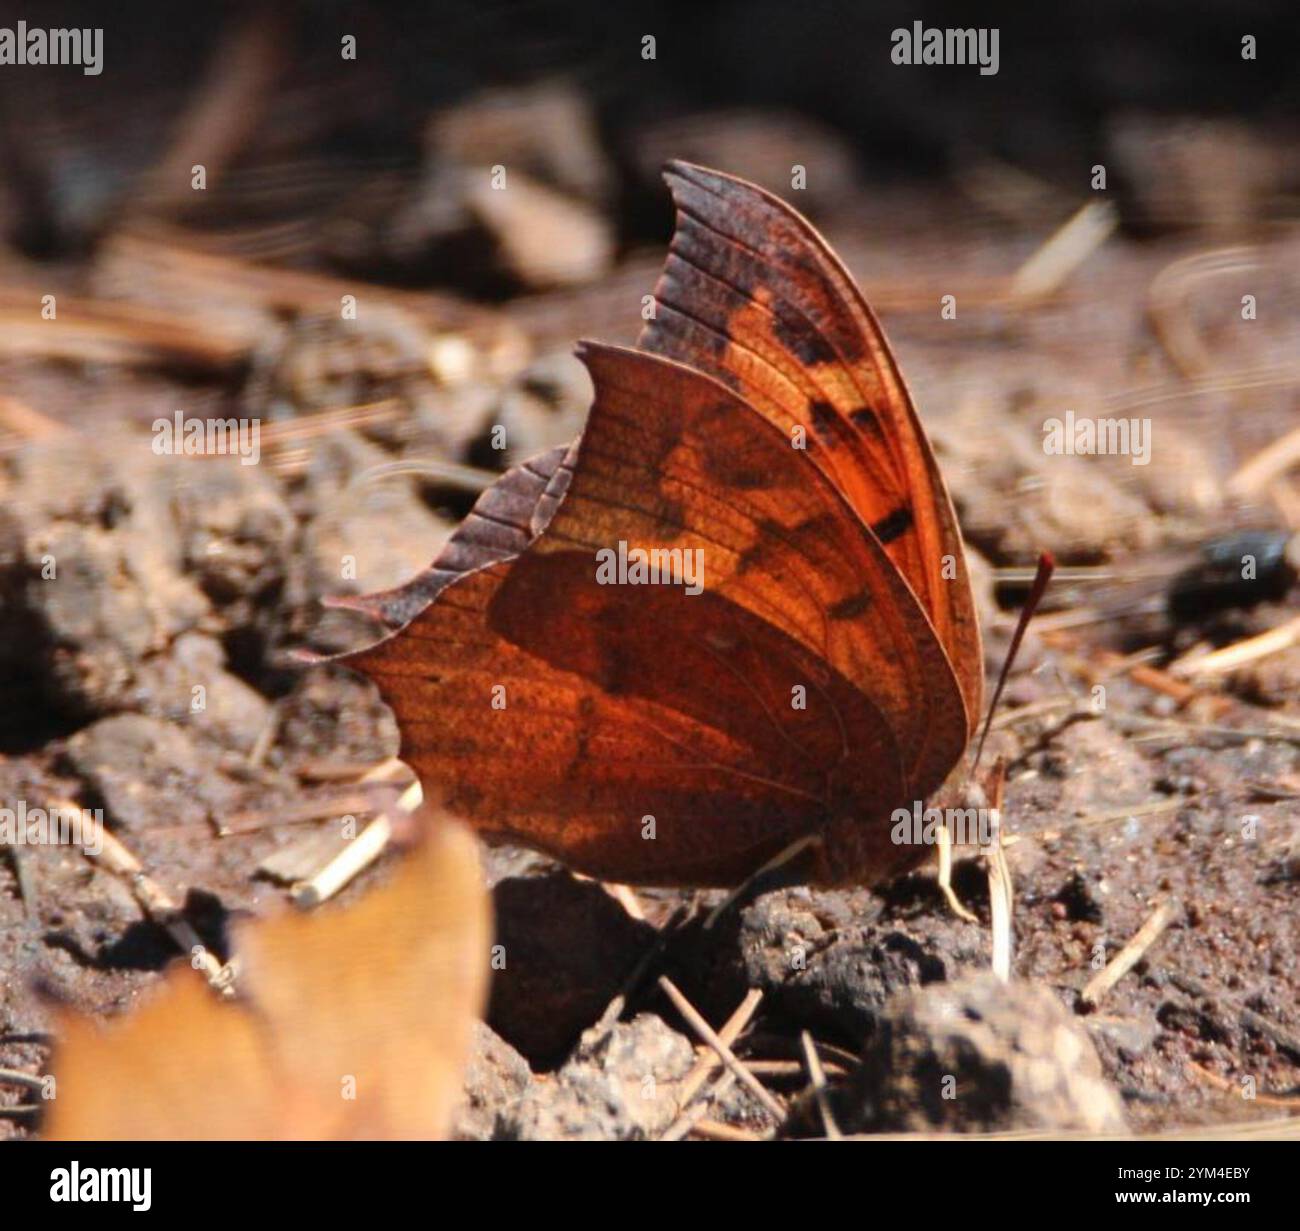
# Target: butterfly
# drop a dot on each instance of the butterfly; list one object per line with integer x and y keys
{"x": 825, "y": 668}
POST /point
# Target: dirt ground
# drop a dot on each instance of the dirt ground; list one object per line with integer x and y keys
{"x": 1172, "y": 791}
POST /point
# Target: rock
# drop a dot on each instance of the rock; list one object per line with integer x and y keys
{"x": 366, "y": 534}
{"x": 68, "y": 477}
{"x": 1272, "y": 681}
{"x": 1187, "y": 482}
{"x": 568, "y": 948}
{"x": 111, "y": 627}
{"x": 546, "y": 405}
{"x": 143, "y": 549}
{"x": 546, "y": 129}
{"x": 94, "y": 592}
{"x": 334, "y": 713}
{"x": 1195, "y": 172}
{"x": 1079, "y": 507}
{"x": 542, "y": 238}
{"x": 92, "y": 584}
{"x": 619, "y": 1085}
{"x": 237, "y": 536}
{"x": 496, "y": 1078}
{"x": 227, "y": 711}
{"x": 146, "y": 772}
{"x": 1104, "y": 771}
{"x": 1127, "y": 1037}
{"x": 820, "y": 969}
{"x": 446, "y": 423}
{"x": 978, "y": 1055}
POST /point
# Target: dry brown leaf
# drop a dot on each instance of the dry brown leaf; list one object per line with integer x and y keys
{"x": 352, "y": 1023}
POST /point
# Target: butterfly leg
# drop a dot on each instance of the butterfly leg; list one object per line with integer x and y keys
{"x": 1001, "y": 891}
{"x": 945, "y": 874}
{"x": 1000, "y": 899}
{"x": 778, "y": 861}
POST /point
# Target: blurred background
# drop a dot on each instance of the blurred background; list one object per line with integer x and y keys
{"x": 307, "y": 135}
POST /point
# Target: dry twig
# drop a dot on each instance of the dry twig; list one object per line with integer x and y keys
{"x": 1101, "y": 983}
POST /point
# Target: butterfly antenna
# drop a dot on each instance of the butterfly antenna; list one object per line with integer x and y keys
{"x": 1046, "y": 567}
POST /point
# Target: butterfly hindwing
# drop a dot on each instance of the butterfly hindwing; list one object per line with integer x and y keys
{"x": 802, "y": 683}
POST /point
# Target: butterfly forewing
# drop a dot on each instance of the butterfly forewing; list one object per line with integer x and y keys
{"x": 752, "y": 295}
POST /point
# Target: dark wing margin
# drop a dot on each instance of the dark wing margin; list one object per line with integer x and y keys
{"x": 504, "y": 520}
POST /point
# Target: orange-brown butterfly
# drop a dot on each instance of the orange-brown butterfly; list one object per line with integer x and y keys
{"x": 809, "y": 660}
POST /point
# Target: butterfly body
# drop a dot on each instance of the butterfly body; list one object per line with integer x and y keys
{"x": 822, "y": 670}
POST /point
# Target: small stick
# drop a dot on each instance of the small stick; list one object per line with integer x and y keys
{"x": 715, "y": 1130}
{"x": 787, "y": 1068}
{"x": 626, "y": 898}
{"x": 471, "y": 479}
{"x": 1283, "y": 637}
{"x": 110, "y": 332}
{"x": 1168, "y": 727}
{"x": 28, "y": 1081}
{"x": 1167, "y": 303}
{"x": 153, "y": 899}
{"x": 28, "y": 423}
{"x": 22, "y": 1112}
{"x": 346, "y": 771}
{"x": 1101, "y": 983}
{"x": 296, "y": 812}
{"x": 1041, "y": 709}
{"x": 265, "y": 738}
{"x": 1162, "y": 682}
{"x": 1109, "y": 818}
{"x": 686, "y": 1122}
{"x": 1067, "y": 249}
{"x": 1224, "y": 1083}
{"x": 817, "y": 1076}
{"x": 705, "y": 1066}
{"x": 320, "y": 422}
{"x": 710, "y": 1036}
{"x": 1270, "y": 463}
{"x": 363, "y": 850}
{"x": 779, "y": 860}
{"x": 353, "y": 859}
{"x": 730, "y": 1032}
{"x": 23, "y": 875}
{"x": 225, "y": 110}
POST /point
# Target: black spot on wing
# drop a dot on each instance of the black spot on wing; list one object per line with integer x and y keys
{"x": 866, "y": 420}
{"x": 823, "y": 418}
{"x": 852, "y": 607}
{"x": 893, "y": 525}
{"x": 804, "y": 342}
